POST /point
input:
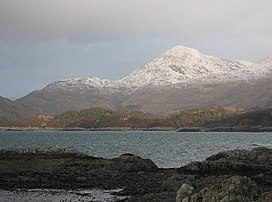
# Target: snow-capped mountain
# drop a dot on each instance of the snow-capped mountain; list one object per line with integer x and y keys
{"x": 179, "y": 65}
{"x": 183, "y": 65}
{"x": 80, "y": 83}
{"x": 179, "y": 78}
{"x": 264, "y": 67}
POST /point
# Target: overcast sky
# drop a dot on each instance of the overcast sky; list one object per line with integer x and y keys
{"x": 46, "y": 40}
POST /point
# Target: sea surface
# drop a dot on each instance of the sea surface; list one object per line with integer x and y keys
{"x": 166, "y": 149}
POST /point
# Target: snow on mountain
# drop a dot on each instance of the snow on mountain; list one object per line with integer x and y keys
{"x": 179, "y": 65}
{"x": 263, "y": 69}
{"x": 183, "y": 65}
{"x": 80, "y": 83}
{"x": 265, "y": 65}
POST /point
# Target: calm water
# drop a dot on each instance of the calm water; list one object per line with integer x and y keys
{"x": 166, "y": 149}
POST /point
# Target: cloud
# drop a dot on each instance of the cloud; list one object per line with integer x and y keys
{"x": 46, "y": 40}
{"x": 260, "y": 23}
{"x": 90, "y": 21}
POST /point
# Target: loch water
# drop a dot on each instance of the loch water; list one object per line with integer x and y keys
{"x": 166, "y": 149}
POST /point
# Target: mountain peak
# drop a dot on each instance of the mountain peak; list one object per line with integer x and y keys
{"x": 182, "y": 51}
{"x": 182, "y": 65}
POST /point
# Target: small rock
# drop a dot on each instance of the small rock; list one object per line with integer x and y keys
{"x": 81, "y": 179}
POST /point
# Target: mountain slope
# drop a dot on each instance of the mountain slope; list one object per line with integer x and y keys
{"x": 56, "y": 101}
{"x": 180, "y": 78}
{"x": 12, "y": 109}
{"x": 172, "y": 99}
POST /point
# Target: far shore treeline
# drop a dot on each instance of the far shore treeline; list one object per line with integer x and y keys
{"x": 95, "y": 118}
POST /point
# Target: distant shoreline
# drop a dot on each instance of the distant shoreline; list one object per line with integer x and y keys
{"x": 86, "y": 129}
{"x": 188, "y": 129}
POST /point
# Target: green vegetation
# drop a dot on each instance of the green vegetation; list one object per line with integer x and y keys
{"x": 258, "y": 118}
{"x": 96, "y": 118}
{"x": 40, "y": 121}
{"x": 7, "y": 122}
{"x": 198, "y": 117}
{"x": 100, "y": 118}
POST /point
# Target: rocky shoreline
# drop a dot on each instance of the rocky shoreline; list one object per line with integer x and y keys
{"x": 237, "y": 175}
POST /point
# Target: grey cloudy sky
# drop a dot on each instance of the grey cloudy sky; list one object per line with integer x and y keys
{"x": 46, "y": 40}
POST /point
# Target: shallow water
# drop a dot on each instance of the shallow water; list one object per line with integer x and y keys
{"x": 166, "y": 149}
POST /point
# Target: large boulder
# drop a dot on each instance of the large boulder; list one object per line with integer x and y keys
{"x": 233, "y": 189}
{"x": 242, "y": 162}
{"x": 130, "y": 162}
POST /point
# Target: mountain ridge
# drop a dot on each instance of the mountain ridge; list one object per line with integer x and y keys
{"x": 180, "y": 78}
{"x": 178, "y": 65}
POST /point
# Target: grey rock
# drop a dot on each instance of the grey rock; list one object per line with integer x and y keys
{"x": 241, "y": 162}
{"x": 184, "y": 193}
{"x": 234, "y": 189}
{"x": 236, "y": 175}
{"x": 135, "y": 163}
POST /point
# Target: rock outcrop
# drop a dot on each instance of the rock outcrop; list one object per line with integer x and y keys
{"x": 234, "y": 162}
{"x": 237, "y": 175}
{"x": 235, "y": 188}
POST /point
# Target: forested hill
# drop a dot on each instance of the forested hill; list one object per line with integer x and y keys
{"x": 259, "y": 119}
{"x": 95, "y": 118}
